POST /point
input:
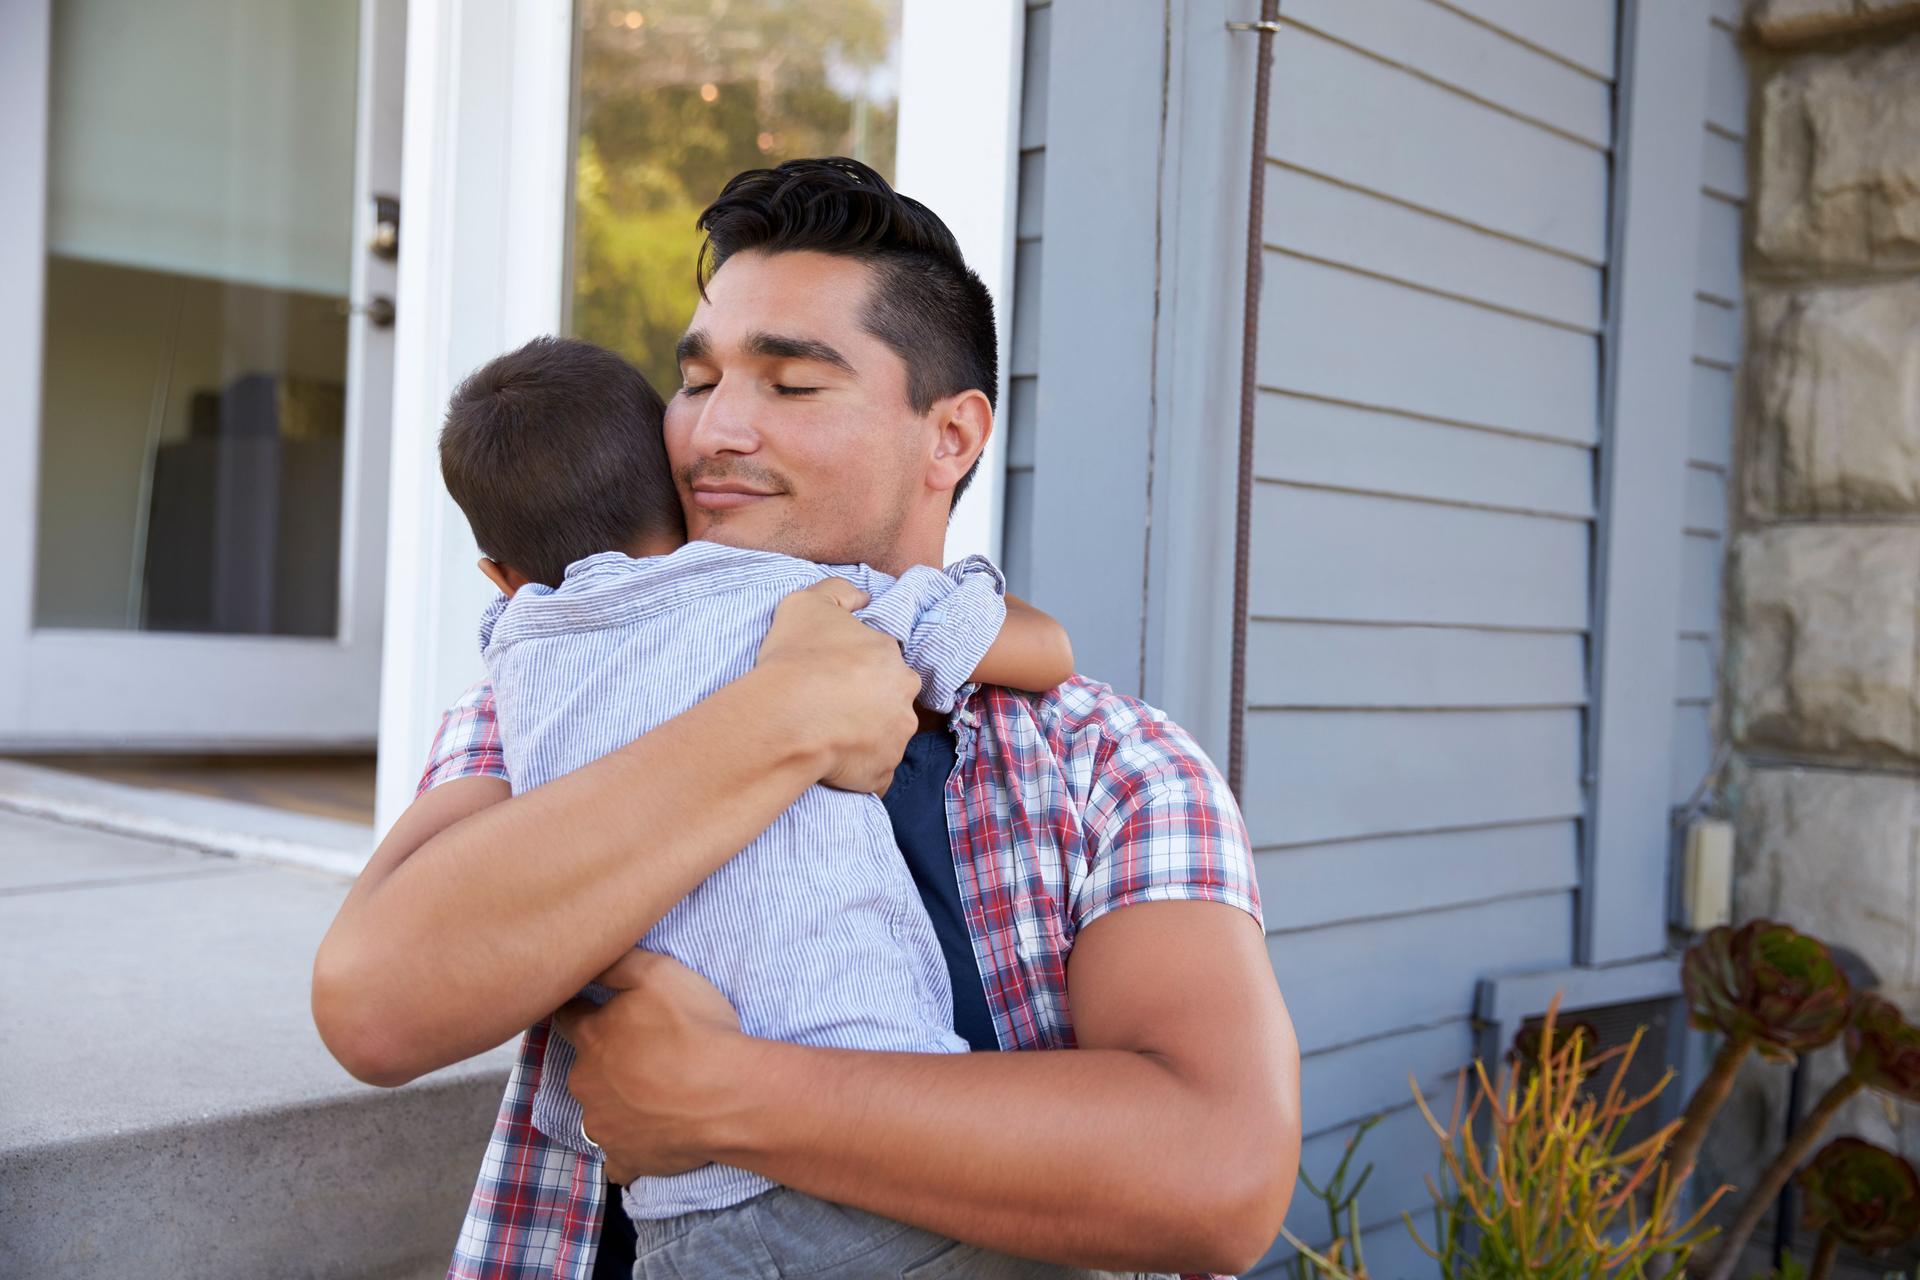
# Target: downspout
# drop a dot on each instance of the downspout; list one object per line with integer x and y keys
{"x": 1249, "y": 355}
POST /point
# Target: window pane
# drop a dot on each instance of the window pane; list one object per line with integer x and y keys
{"x": 677, "y": 96}
{"x": 194, "y": 380}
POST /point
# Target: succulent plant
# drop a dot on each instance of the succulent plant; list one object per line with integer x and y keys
{"x": 1528, "y": 1041}
{"x": 1883, "y": 1048}
{"x": 1883, "y": 1052}
{"x": 1765, "y": 987}
{"x": 1865, "y": 1195}
{"x": 1767, "y": 984}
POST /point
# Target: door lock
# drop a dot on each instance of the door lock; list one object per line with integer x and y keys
{"x": 385, "y": 241}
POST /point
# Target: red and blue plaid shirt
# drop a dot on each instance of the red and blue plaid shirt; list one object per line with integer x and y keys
{"x": 1061, "y": 807}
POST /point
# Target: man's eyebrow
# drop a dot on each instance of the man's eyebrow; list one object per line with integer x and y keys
{"x": 692, "y": 346}
{"x": 776, "y": 346}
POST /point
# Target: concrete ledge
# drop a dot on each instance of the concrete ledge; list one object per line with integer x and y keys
{"x": 360, "y": 1187}
{"x": 169, "y": 1108}
{"x": 205, "y": 823}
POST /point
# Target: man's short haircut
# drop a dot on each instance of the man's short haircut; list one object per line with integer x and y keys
{"x": 927, "y": 305}
{"x": 555, "y": 453}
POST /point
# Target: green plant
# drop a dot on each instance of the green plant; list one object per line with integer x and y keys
{"x": 1883, "y": 1053}
{"x": 1343, "y": 1218}
{"x": 1765, "y": 988}
{"x": 1537, "y": 1181}
{"x": 1549, "y": 1192}
{"x": 1859, "y": 1194}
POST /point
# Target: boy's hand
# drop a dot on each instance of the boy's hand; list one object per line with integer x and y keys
{"x": 649, "y": 1064}
{"x": 843, "y": 683}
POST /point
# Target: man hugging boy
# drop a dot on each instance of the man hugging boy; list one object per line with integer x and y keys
{"x": 610, "y": 623}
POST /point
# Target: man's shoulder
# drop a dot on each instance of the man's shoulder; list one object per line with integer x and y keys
{"x": 1080, "y": 705}
{"x": 1099, "y": 734}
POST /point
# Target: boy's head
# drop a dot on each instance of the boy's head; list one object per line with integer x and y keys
{"x": 554, "y": 453}
{"x": 839, "y": 370}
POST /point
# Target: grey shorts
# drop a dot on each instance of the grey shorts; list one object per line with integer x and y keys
{"x": 782, "y": 1233}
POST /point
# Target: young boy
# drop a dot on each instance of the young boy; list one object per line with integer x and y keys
{"x": 609, "y": 623}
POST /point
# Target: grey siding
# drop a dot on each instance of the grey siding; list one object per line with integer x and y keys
{"x": 1429, "y": 436}
{"x": 1718, "y": 325}
{"x": 1430, "y": 390}
{"x": 1023, "y": 319}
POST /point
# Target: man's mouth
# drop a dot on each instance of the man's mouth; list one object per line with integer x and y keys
{"x": 726, "y": 497}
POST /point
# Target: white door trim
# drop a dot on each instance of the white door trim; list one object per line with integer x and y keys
{"x": 959, "y": 154}
{"x": 26, "y": 71}
{"x": 484, "y": 199}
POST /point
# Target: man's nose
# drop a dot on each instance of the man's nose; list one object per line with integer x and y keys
{"x": 725, "y": 424}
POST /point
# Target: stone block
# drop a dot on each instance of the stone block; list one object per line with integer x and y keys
{"x": 1834, "y": 401}
{"x": 1839, "y": 161}
{"x": 1833, "y": 853}
{"x": 1823, "y": 645}
{"x": 1786, "y": 22}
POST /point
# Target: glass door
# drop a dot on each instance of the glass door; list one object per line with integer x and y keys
{"x": 201, "y": 429}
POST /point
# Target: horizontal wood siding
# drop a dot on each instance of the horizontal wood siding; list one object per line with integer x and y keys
{"x": 1429, "y": 369}
{"x": 1023, "y": 318}
{"x": 1718, "y": 323}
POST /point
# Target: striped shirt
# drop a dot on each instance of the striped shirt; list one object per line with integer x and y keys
{"x": 814, "y": 932}
{"x": 1062, "y": 807}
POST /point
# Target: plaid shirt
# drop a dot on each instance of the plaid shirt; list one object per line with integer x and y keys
{"x": 1062, "y": 807}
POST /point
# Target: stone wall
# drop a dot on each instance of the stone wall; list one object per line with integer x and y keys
{"x": 1823, "y": 585}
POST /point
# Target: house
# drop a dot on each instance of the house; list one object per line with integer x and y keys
{"x": 1498, "y": 345}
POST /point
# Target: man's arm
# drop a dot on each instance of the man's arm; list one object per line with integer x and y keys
{"x": 480, "y": 914}
{"x": 1168, "y": 1141}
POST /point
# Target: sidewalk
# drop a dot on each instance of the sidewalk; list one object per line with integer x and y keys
{"x": 166, "y": 1106}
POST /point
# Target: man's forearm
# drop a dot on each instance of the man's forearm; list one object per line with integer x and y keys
{"x": 493, "y": 922}
{"x": 1094, "y": 1157}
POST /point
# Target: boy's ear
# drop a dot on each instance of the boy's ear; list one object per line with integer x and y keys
{"x": 502, "y": 577}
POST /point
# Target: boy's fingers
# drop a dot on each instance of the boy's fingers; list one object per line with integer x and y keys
{"x": 841, "y": 592}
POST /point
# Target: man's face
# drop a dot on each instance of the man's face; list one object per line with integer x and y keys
{"x": 791, "y": 431}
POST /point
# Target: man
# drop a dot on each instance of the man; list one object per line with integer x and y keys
{"x": 1083, "y": 865}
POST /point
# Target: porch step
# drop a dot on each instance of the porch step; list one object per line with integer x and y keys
{"x": 166, "y": 1106}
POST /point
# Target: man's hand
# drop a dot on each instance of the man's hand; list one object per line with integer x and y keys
{"x": 845, "y": 680}
{"x": 649, "y": 1064}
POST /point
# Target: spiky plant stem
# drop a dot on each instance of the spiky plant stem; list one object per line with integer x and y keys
{"x": 1767, "y": 1190}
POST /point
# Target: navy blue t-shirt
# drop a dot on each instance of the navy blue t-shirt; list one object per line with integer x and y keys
{"x": 917, "y": 804}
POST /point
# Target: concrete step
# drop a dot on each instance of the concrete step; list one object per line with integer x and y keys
{"x": 166, "y": 1106}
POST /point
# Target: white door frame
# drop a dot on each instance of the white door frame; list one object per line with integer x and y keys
{"x": 72, "y": 688}
{"x": 484, "y": 196}
{"x": 959, "y": 154}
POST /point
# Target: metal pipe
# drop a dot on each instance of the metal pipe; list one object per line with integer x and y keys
{"x": 1249, "y": 355}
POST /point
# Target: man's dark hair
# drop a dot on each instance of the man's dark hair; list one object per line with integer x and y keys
{"x": 927, "y": 305}
{"x": 555, "y": 453}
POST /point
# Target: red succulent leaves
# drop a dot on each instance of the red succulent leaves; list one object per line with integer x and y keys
{"x": 1768, "y": 984}
{"x": 1883, "y": 1048}
{"x": 1866, "y": 1195}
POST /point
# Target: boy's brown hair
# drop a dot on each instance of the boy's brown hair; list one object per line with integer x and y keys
{"x": 555, "y": 453}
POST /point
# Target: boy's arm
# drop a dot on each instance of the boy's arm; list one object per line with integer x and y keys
{"x": 480, "y": 913}
{"x": 1033, "y": 652}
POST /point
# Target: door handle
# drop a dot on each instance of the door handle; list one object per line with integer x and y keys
{"x": 378, "y": 310}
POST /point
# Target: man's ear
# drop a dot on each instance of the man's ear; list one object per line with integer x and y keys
{"x": 502, "y": 577}
{"x": 965, "y": 424}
